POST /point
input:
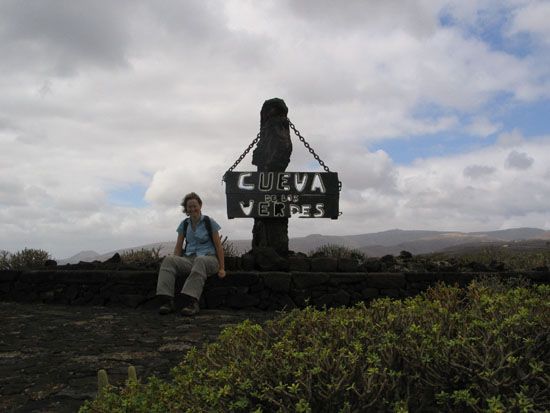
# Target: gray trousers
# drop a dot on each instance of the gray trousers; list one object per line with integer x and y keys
{"x": 198, "y": 268}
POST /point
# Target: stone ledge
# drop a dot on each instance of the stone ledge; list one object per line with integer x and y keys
{"x": 239, "y": 289}
{"x": 9, "y": 275}
{"x": 386, "y": 280}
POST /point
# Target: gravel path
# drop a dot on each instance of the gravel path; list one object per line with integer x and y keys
{"x": 50, "y": 355}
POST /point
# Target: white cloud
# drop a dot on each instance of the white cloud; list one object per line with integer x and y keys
{"x": 361, "y": 170}
{"x": 533, "y": 18}
{"x": 482, "y": 127}
{"x": 512, "y": 138}
{"x": 165, "y": 97}
{"x": 437, "y": 189}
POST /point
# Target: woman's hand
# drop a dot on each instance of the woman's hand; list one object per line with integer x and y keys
{"x": 178, "y": 249}
{"x": 219, "y": 253}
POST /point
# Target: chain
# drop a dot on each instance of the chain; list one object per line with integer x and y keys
{"x": 297, "y": 132}
{"x": 311, "y": 151}
{"x": 308, "y": 147}
{"x": 256, "y": 139}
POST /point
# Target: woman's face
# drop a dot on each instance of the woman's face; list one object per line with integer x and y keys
{"x": 193, "y": 208}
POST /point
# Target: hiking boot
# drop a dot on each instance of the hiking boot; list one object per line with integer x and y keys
{"x": 167, "y": 307}
{"x": 191, "y": 309}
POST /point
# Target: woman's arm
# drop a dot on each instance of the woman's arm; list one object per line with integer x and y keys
{"x": 178, "y": 249}
{"x": 219, "y": 253}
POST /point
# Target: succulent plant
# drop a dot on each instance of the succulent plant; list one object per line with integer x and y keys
{"x": 132, "y": 375}
{"x": 102, "y": 382}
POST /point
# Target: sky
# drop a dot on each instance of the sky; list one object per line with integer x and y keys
{"x": 435, "y": 114}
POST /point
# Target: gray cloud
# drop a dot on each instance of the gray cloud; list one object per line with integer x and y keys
{"x": 195, "y": 19}
{"x": 12, "y": 193}
{"x": 6, "y": 124}
{"x": 518, "y": 160}
{"x": 477, "y": 171}
{"x": 198, "y": 32}
{"x": 61, "y": 36}
{"x": 416, "y": 17}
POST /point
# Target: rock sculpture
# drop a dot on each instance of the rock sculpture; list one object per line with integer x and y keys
{"x": 270, "y": 235}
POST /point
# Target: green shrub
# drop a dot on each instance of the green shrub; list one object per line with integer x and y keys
{"x": 28, "y": 258}
{"x": 338, "y": 251}
{"x": 229, "y": 249}
{"x": 4, "y": 260}
{"x": 514, "y": 260}
{"x": 485, "y": 348}
{"x": 141, "y": 257}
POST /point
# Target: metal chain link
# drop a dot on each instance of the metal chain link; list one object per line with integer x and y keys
{"x": 311, "y": 151}
{"x": 302, "y": 139}
{"x": 308, "y": 147}
{"x": 256, "y": 139}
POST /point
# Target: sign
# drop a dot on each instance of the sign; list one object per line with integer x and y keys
{"x": 282, "y": 194}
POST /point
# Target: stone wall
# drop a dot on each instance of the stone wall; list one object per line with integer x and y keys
{"x": 240, "y": 289}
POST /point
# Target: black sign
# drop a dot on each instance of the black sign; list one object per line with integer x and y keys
{"x": 282, "y": 194}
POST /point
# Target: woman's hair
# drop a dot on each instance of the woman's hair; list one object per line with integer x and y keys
{"x": 191, "y": 195}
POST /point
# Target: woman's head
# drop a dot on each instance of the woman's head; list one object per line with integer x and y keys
{"x": 194, "y": 198}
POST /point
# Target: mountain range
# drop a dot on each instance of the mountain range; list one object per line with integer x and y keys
{"x": 372, "y": 244}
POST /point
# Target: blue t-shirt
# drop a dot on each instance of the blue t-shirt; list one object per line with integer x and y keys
{"x": 198, "y": 241}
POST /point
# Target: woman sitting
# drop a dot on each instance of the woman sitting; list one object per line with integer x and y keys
{"x": 202, "y": 256}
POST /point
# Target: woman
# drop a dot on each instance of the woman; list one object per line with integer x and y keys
{"x": 202, "y": 256}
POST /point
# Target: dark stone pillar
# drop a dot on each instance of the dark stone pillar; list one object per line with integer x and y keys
{"x": 272, "y": 154}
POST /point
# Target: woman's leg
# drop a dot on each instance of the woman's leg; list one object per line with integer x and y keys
{"x": 171, "y": 267}
{"x": 203, "y": 266}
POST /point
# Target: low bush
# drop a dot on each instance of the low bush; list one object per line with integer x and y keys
{"x": 143, "y": 256}
{"x": 4, "y": 260}
{"x": 229, "y": 249}
{"x": 338, "y": 251}
{"x": 29, "y": 258}
{"x": 509, "y": 258}
{"x": 482, "y": 349}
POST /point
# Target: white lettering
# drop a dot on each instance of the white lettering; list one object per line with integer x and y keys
{"x": 246, "y": 206}
{"x": 263, "y": 209}
{"x": 282, "y": 181}
{"x": 294, "y": 209}
{"x": 242, "y": 185}
{"x": 300, "y": 184}
{"x": 278, "y": 209}
{"x": 319, "y": 211}
{"x": 266, "y": 186}
{"x": 317, "y": 184}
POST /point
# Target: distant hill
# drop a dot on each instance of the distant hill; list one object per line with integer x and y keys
{"x": 368, "y": 242}
{"x": 81, "y": 256}
{"x": 374, "y": 244}
{"x": 515, "y": 234}
{"x": 417, "y": 242}
{"x": 529, "y": 245}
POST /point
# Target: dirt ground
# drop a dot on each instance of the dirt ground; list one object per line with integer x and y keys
{"x": 50, "y": 354}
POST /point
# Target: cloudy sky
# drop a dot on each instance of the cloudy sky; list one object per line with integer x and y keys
{"x": 434, "y": 113}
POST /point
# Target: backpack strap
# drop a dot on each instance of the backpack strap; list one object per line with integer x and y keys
{"x": 207, "y": 224}
{"x": 185, "y": 225}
